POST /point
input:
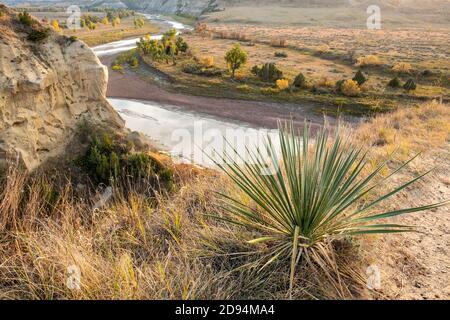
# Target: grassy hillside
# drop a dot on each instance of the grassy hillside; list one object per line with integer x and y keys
{"x": 160, "y": 244}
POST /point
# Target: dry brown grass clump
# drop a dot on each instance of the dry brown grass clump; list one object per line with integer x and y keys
{"x": 369, "y": 60}
{"x": 139, "y": 245}
{"x": 408, "y": 130}
{"x": 402, "y": 67}
{"x": 278, "y": 43}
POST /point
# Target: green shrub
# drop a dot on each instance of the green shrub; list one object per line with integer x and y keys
{"x": 182, "y": 45}
{"x": 281, "y": 54}
{"x": 38, "y": 35}
{"x": 244, "y": 88}
{"x": 268, "y": 72}
{"x": 300, "y": 81}
{"x": 360, "y": 78}
{"x": 167, "y": 48}
{"x": 197, "y": 69}
{"x": 126, "y": 58}
{"x": 315, "y": 193}
{"x": 269, "y": 91}
{"x": 139, "y": 22}
{"x": 410, "y": 85}
{"x": 394, "y": 83}
{"x": 26, "y": 19}
{"x": 426, "y": 73}
{"x": 73, "y": 39}
{"x": 110, "y": 158}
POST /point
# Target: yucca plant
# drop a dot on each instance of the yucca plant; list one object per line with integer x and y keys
{"x": 318, "y": 194}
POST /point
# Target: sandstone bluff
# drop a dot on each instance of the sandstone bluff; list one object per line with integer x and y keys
{"x": 46, "y": 88}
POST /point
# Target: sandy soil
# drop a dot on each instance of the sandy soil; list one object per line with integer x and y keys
{"x": 130, "y": 85}
{"x": 417, "y": 265}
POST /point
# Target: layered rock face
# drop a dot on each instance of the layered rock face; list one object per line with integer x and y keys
{"x": 46, "y": 88}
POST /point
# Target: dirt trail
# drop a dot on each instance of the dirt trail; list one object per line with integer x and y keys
{"x": 417, "y": 265}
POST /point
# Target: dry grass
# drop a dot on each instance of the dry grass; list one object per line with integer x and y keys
{"x": 107, "y": 33}
{"x": 160, "y": 245}
{"x": 139, "y": 246}
{"x": 423, "y": 128}
{"x": 413, "y": 265}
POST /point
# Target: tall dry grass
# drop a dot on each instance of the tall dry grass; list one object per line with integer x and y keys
{"x": 165, "y": 245}
{"x": 138, "y": 246}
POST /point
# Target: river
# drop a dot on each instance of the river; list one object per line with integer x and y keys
{"x": 187, "y": 136}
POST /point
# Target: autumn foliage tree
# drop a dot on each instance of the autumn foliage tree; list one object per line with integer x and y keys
{"x": 235, "y": 59}
{"x": 55, "y": 25}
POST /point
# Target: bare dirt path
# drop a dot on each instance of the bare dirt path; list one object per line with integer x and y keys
{"x": 130, "y": 85}
{"x": 417, "y": 265}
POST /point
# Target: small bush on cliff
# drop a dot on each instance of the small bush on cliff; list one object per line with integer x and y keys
{"x": 37, "y": 35}
{"x": 26, "y": 19}
{"x": 111, "y": 158}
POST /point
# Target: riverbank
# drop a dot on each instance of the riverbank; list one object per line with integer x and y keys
{"x": 132, "y": 85}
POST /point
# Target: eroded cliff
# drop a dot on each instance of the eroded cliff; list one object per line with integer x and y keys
{"x": 48, "y": 83}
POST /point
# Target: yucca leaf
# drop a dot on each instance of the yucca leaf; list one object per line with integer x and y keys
{"x": 310, "y": 195}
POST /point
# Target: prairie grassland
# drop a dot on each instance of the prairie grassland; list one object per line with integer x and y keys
{"x": 423, "y": 48}
{"x": 103, "y": 33}
{"x": 322, "y": 65}
{"x": 340, "y": 14}
{"x": 414, "y": 265}
{"x": 164, "y": 245}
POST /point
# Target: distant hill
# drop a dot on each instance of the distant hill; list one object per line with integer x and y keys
{"x": 342, "y": 13}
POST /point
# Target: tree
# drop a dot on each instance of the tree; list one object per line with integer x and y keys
{"x": 360, "y": 78}
{"x": 105, "y": 21}
{"x": 115, "y": 22}
{"x": 410, "y": 85}
{"x": 394, "y": 83}
{"x": 139, "y": 22}
{"x": 235, "y": 59}
{"x": 169, "y": 41}
{"x": 182, "y": 45}
{"x": 300, "y": 81}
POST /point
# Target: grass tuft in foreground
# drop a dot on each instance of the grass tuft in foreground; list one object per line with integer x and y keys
{"x": 317, "y": 194}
